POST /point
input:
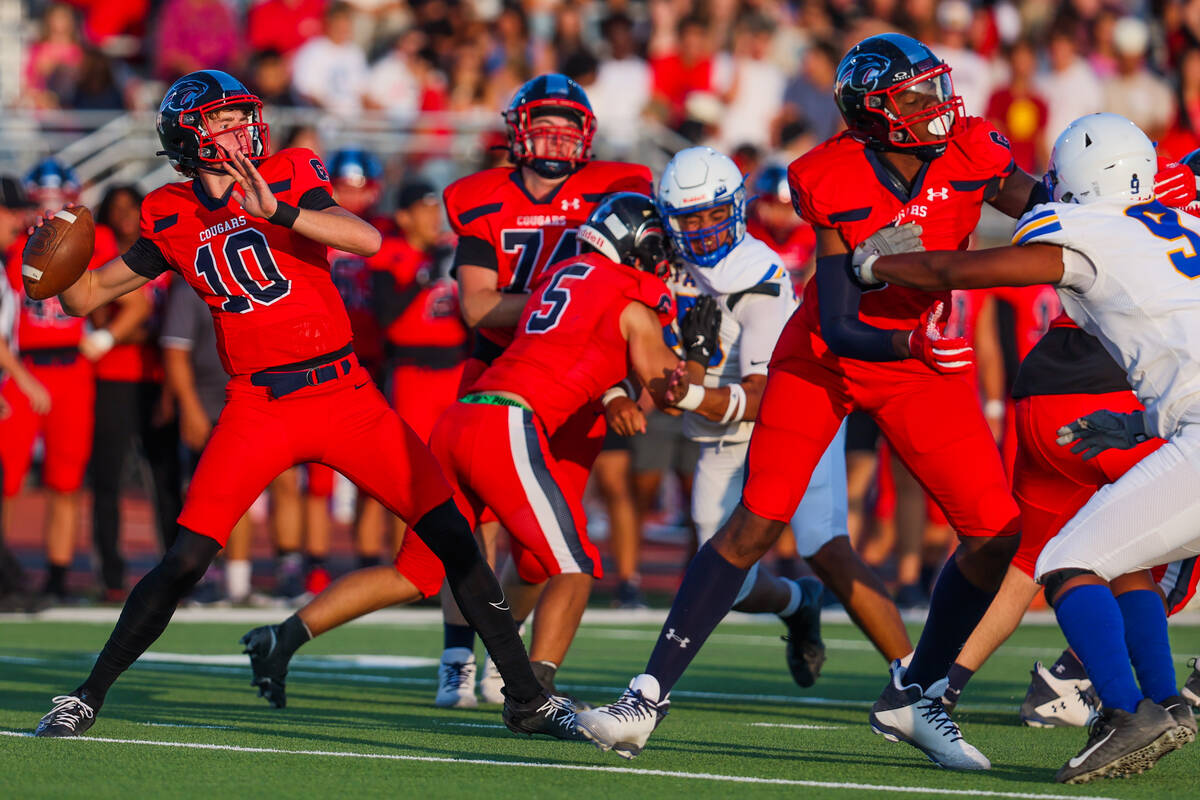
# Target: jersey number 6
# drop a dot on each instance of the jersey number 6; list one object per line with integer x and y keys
{"x": 270, "y": 288}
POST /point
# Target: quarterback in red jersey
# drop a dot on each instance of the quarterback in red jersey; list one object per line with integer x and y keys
{"x": 589, "y": 322}
{"x": 511, "y": 223}
{"x": 251, "y": 239}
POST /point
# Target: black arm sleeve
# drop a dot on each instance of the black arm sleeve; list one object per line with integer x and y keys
{"x": 387, "y": 301}
{"x": 317, "y": 199}
{"x": 473, "y": 250}
{"x": 144, "y": 258}
{"x": 847, "y": 335}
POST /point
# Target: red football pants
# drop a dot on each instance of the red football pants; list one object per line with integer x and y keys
{"x": 66, "y": 429}
{"x": 1051, "y": 483}
{"x": 574, "y": 446}
{"x": 420, "y": 394}
{"x": 498, "y": 457}
{"x": 934, "y": 423}
{"x": 344, "y": 423}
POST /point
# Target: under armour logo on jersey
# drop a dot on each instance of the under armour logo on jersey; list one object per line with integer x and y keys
{"x": 570, "y": 205}
{"x": 683, "y": 643}
{"x": 937, "y": 194}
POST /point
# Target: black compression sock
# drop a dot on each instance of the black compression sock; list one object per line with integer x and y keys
{"x": 959, "y": 676}
{"x": 368, "y": 561}
{"x": 709, "y": 588}
{"x": 148, "y": 610}
{"x": 1068, "y": 667}
{"x": 56, "y": 579}
{"x": 457, "y": 636}
{"x": 291, "y": 634}
{"x": 479, "y": 597}
{"x": 955, "y": 609}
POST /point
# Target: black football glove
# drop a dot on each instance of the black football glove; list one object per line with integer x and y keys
{"x": 700, "y": 330}
{"x": 1098, "y": 431}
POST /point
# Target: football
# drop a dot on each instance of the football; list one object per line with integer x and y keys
{"x": 58, "y": 252}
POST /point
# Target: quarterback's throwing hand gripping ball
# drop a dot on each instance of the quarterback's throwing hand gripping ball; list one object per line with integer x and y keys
{"x": 58, "y": 252}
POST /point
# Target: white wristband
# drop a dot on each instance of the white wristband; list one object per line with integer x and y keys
{"x": 864, "y": 271}
{"x": 737, "y": 404}
{"x": 613, "y": 394}
{"x": 994, "y": 409}
{"x": 101, "y": 340}
{"x": 692, "y": 400}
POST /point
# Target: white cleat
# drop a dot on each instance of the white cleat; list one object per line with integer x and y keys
{"x": 624, "y": 726}
{"x": 490, "y": 683}
{"x": 1052, "y": 702}
{"x": 916, "y": 716}
{"x": 456, "y": 679}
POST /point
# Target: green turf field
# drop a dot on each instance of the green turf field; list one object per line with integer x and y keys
{"x": 363, "y": 729}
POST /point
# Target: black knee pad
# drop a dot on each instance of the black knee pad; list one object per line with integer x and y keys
{"x": 1053, "y": 582}
{"x": 445, "y": 531}
{"x": 189, "y": 557}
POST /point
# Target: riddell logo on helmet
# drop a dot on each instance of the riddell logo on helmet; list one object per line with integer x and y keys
{"x": 695, "y": 199}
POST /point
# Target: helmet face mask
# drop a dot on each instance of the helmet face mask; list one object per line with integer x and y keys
{"x": 702, "y": 199}
{"x": 895, "y": 94}
{"x": 205, "y": 118}
{"x": 550, "y": 126}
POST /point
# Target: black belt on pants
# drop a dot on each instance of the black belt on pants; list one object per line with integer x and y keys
{"x": 52, "y": 356}
{"x": 293, "y": 377}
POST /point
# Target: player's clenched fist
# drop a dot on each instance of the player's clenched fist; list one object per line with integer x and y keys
{"x": 884, "y": 242}
{"x": 1102, "y": 429}
{"x": 946, "y": 355}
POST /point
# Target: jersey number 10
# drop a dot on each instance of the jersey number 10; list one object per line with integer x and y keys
{"x": 270, "y": 288}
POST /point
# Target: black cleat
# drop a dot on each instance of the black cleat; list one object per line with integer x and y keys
{"x": 546, "y": 714}
{"x": 1191, "y": 687}
{"x": 1185, "y": 720}
{"x": 69, "y": 717}
{"x": 805, "y": 650}
{"x": 267, "y": 663}
{"x": 1120, "y": 744}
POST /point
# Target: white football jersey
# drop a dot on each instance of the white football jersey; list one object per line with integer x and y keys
{"x": 1129, "y": 279}
{"x": 756, "y": 298}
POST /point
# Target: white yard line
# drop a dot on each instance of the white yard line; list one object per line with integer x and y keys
{"x": 796, "y": 727}
{"x": 656, "y": 773}
{"x": 177, "y": 725}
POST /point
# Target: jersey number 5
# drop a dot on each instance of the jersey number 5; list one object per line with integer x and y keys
{"x": 264, "y": 291}
{"x": 555, "y": 299}
{"x": 1163, "y": 222}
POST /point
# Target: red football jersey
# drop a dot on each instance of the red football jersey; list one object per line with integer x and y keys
{"x": 43, "y": 323}
{"x": 432, "y": 318}
{"x": 269, "y": 289}
{"x": 568, "y": 350}
{"x": 843, "y": 184}
{"x": 501, "y": 226}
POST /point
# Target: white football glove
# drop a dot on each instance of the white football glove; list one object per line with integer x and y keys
{"x": 1100, "y": 430}
{"x": 885, "y": 242}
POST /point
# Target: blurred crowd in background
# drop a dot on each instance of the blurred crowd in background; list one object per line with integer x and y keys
{"x": 753, "y": 78}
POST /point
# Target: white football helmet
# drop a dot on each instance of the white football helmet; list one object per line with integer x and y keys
{"x": 697, "y": 179}
{"x": 1100, "y": 157}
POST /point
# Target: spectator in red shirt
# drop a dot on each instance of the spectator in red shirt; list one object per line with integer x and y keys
{"x": 196, "y": 34}
{"x": 685, "y": 69}
{"x": 1019, "y": 110}
{"x": 283, "y": 25}
{"x": 1184, "y": 134}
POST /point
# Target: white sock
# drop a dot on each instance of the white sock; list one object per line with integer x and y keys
{"x": 458, "y": 655}
{"x": 237, "y": 579}
{"x": 794, "y": 602}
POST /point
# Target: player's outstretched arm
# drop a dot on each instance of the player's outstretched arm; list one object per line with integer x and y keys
{"x": 98, "y": 287}
{"x": 334, "y": 226}
{"x": 975, "y": 269}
